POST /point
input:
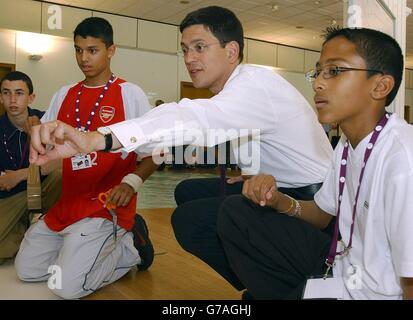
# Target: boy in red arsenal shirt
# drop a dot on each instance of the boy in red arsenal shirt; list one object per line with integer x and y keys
{"x": 79, "y": 234}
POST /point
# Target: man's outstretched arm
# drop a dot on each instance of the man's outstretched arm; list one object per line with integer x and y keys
{"x": 57, "y": 140}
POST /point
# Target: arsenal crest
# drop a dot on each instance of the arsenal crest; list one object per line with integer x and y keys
{"x": 106, "y": 113}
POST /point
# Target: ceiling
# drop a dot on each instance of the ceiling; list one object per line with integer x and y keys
{"x": 269, "y": 20}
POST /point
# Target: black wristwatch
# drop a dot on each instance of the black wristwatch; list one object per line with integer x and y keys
{"x": 107, "y": 133}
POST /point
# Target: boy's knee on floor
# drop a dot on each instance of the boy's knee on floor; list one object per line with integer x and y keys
{"x": 22, "y": 270}
{"x": 67, "y": 287}
{"x": 69, "y": 293}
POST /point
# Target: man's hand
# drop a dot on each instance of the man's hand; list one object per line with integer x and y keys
{"x": 238, "y": 179}
{"x": 120, "y": 195}
{"x": 234, "y": 180}
{"x": 57, "y": 140}
{"x": 262, "y": 190}
{"x": 10, "y": 179}
{"x": 31, "y": 122}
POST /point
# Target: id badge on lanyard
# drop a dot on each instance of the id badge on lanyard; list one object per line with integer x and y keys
{"x": 84, "y": 161}
{"x": 324, "y": 288}
{"x": 81, "y": 162}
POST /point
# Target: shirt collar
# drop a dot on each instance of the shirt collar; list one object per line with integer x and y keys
{"x": 361, "y": 147}
{"x": 8, "y": 127}
{"x": 234, "y": 73}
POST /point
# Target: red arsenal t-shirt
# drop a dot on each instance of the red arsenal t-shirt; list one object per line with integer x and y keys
{"x": 81, "y": 188}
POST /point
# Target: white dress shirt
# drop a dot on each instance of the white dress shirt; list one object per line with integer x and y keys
{"x": 292, "y": 145}
{"x": 382, "y": 249}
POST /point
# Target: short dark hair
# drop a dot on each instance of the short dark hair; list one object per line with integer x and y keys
{"x": 97, "y": 28}
{"x": 16, "y": 76}
{"x": 222, "y": 22}
{"x": 379, "y": 50}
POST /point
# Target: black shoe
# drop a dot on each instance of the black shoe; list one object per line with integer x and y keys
{"x": 247, "y": 296}
{"x": 142, "y": 243}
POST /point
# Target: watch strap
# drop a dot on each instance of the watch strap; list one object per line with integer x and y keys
{"x": 108, "y": 142}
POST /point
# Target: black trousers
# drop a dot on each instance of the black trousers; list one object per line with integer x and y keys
{"x": 270, "y": 253}
{"x": 194, "y": 221}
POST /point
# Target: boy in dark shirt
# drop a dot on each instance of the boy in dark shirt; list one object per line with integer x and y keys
{"x": 16, "y": 94}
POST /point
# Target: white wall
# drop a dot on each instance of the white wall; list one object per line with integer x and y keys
{"x": 183, "y": 74}
{"x": 298, "y": 80}
{"x": 154, "y": 65}
{"x": 8, "y": 48}
{"x": 386, "y": 15}
{"x": 57, "y": 68}
{"x": 155, "y": 73}
{"x": 158, "y": 74}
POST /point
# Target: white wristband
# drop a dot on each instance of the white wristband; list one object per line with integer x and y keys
{"x": 133, "y": 180}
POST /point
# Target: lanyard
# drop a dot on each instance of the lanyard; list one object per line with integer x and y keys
{"x": 343, "y": 173}
{"x": 98, "y": 101}
{"x": 22, "y": 155}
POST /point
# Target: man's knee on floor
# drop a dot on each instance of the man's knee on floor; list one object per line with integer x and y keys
{"x": 227, "y": 211}
{"x": 181, "y": 226}
{"x": 182, "y": 191}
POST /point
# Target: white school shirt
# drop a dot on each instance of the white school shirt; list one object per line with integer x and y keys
{"x": 293, "y": 146}
{"x": 382, "y": 249}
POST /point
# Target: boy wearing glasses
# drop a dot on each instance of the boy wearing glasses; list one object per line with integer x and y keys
{"x": 273, "y": 242}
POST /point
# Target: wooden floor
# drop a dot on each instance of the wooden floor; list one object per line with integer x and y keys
{"x": 174, "y": 275}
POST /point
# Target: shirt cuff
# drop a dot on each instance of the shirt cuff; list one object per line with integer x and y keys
{"x": 319, "y": 201}
{"x": 404, "y": 269}
{"x": 129, "y": 134}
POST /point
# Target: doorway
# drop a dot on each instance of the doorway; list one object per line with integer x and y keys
{"x": 407, "y": 113}
{"x": 5, "y": 69}
{"x": 189, "y": 91}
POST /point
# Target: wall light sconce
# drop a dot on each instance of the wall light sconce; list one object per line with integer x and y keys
{"x": 34, "y": 44}
{"x": 35, "y": 57}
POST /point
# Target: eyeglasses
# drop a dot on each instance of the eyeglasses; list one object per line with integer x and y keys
{"x": 199, "y": 47}
{"x": 333, "y": 71}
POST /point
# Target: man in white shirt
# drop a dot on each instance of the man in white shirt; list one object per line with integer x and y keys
{"x": 291, "y": 144}
{"x": 368, "y": 188}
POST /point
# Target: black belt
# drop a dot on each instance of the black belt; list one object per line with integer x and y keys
{"x": 302, "y": 193}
